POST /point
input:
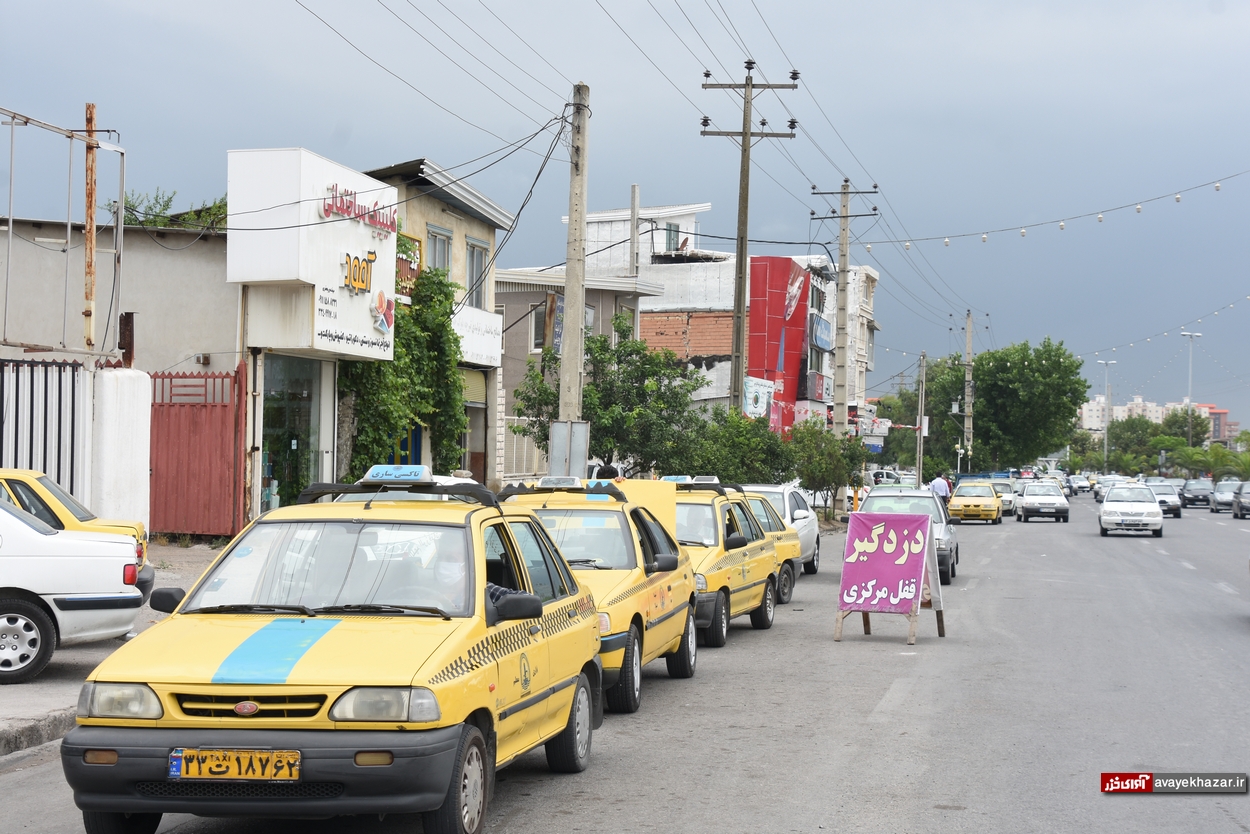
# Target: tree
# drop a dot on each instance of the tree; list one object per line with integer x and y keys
{"x": 1132, "y": 436}
{"x": 1176, "y": 424}
{"x": 155, "y": 210}
{"x": 735, "y": 448}
{"x": 1192, "y": 459}
{"x": 639, "y": 402}
{"x": 422, "y": 384}
{"x": 1237, "y": 465}
{"x": 899, "y": 448}
{"x": 824, "y": 461}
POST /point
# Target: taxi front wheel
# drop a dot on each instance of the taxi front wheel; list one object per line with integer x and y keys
{"x": 464, "y": 807}
{"x": 569, "y": 752}
{"x": 717, "y": 634}
{"x": 626, "y": 694}
{"x": 681, "y": 663}
{"x": 112, "y": 822}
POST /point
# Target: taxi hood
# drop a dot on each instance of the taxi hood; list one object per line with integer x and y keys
{"x": 603, "y": 584}
{"x": 701, "y": 558}
{"x": 262, "y": 649}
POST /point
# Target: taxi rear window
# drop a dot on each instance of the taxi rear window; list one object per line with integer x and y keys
{"x": 590, "y": 538}
{"x": 319, "y": 564}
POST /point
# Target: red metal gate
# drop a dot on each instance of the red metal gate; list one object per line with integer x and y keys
{"x": 197, "y": 452}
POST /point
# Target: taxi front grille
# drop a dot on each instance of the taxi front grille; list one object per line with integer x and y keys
{"x": 240, "y": 790}
{"x": 271, "y": 706}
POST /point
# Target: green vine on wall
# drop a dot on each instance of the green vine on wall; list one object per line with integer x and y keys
{"x": 422, "y": 385}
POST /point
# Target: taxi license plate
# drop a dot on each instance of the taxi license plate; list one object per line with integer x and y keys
{"x": 266, "y": 765}
{"x": 1048, "y": 509}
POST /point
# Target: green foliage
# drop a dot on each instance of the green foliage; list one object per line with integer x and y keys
{"x": 1236, "y": 465}
{"x": 639, "y": 402}
{"x": 899, "y": 448}
{"x": 1176, "y": 424}
{"x": 824, "y": 461}
{"x": 155, "y": 210}
{"x": 735, "y": 448}
{"x": 1132, "y": 435}
{"x": 421, "y": 385}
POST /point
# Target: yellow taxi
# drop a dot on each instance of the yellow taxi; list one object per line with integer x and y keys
{"x": 617, "y": 536}
{"x": 45, "y": 499}
{"x": 735, "y": 564}
{"x": 785, "y": 541}
{"x": 372, "y": 656}
{"x": 976, "y": 501}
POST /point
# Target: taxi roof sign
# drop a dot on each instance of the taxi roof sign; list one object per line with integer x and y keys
{"x": 705, "y": 479}
{"x": 560, "y": 482}
{"x": 387, "y": 474}
{"x": 677, "y": 479}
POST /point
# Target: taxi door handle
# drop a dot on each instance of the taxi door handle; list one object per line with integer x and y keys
{"x": 534, "y": 629}
{"x": 670, "y": 587}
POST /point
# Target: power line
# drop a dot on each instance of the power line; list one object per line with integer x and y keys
{"x": 526, "y": 43}
{"x": 496, "y": 50}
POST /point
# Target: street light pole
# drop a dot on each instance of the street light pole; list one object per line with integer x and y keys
{"x": 1106, "y": 423}
{"x": 1189, "y": 401}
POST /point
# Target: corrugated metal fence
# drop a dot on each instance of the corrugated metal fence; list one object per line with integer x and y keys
{"x": 197, "y": 452}
{"x": 45, "y": 420}
{"x": 521, "y": 458}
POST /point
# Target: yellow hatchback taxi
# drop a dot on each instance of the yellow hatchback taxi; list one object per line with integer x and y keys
{"x": 616, "y": 535}
{"x": 735, "y": 564}
{"x": 785, "y": 541}
{"x": 976, "y": 501}
{"x": 374, "y": 656}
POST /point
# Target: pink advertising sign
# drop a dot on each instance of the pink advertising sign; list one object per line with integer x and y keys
{"x": 884, "y": 562}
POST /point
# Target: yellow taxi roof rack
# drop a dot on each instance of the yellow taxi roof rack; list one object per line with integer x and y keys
{"x": 704, "y": 487}
{"x": 382, "y": 479}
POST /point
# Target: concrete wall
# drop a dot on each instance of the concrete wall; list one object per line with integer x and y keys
{"x": 421, "y": 211}
{"x": 121, "y": 444}
{"x": 691, "y": 286}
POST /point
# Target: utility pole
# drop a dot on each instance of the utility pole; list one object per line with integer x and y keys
{"x": 634, "y": 208}
{"x": 968, "y": 389}
{"x": 572, "y": 358}
{"x": 920, "y": 385}
{"x": 748, "y": 90}
{"x": 88, "y": 235}
{"x": 1106, "y": 424}
{"x": 1189, "y": 401}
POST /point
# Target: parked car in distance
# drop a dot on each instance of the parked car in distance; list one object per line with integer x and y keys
{"x": 794, "y": 509}
{"x": 1241, "y": 500}
{"x": 885, "y": 476}
{"x": 1222, "y": 496}
{"x": 1130, "y": 508}
{"x": 62, "y": 587}
{"x": 1168, "y": 498}
{"x": 920, "y": 502}
{"x": 1196, "y": 491}
{"x": 1042, "y": 500}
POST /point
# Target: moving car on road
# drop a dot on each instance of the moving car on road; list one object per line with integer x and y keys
{"x": 922, "y": 502}
{"x": 1196, "y": 491}
{"x": 1241, "y": 500}
{"x": 617, "y": 537}
{"x": 1222, "y": 496}
{"x": 374, "y": 656}
{"x": 1042, "y": 500}
{"x": 1006, "y": 494}
{"x": 795, "y": 511}
{"x": 976, "y": 501}
{"x": 1168, "y": 498}
{"x": 1130, "y": 508}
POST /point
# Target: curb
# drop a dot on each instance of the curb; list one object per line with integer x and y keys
{"x": 33, "y": 732}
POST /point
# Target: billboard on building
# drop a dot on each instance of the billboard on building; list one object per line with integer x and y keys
{"x": 780, "y": 288}
{"x": 757, "y": 397}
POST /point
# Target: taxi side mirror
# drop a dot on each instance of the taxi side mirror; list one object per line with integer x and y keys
{"x": 665, "y": 563}
{"x": 519, "y": 607}
{"x": 736, "y": 542}
{"x": 166, "y": 600}
{"x": 799, "y": 515}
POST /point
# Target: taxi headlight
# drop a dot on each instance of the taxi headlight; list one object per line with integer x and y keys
{"x": 118, "y": 700}
{"x": 605, "y": 624}
{"x": 376, "y": 703}
{"x": 700, "y": 582}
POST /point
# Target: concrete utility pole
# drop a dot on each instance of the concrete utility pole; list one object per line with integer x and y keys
{"x": 748, "y": 90}
{"x": 572, "y": 356}
{"x": 1106, "y": 423}
{"x": 635, "y": 206}
{"x": 88, "y": 235}
{"x": 920, "y": 385}
{"x": 1189, "y": 401}
{"x": 968, "y": 389}
{"x": 841, "y": 362}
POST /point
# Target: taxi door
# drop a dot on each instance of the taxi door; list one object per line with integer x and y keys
{"x": 566, "y": 645}
{"x": 520, "y": 653}
{"x": 665, "y": 622}
{"x": 758, "y": 560}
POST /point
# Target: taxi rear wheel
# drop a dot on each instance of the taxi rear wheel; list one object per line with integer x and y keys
{"x": 626, "y": 694}
{"x": 785, "y": 584}
{"x": 717, "y": 634}
{"x": 569, "y": 752}
{"x": 26, "y": 640}
{"x": 681, "y": 663}
{"x": 114, "y": 822}
{"x": 762, "y": 617}
{"x": 464, "y": 807}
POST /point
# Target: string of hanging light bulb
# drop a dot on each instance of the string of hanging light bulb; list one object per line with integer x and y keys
{"x": 1164, "y": 333}
{"x": 1060, "y": 222}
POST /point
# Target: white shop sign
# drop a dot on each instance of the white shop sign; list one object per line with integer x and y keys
{"x": 299, "y": 220}
{"x": 481, "y": 336}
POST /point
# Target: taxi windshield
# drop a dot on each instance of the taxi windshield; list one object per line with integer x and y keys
{"x": 973, "y": 492}
{"x": 696, "y": 524}
{"x": 1002, "y": 489}
{"x": 590, "y": 539}
{"x": 329, "y": 564}
{"x": 1042, "y": 489}
{"x": 900, "y": 503}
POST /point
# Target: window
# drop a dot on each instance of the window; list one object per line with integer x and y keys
{"x": 628, "y": 313}
{"x": 440, "y": 248}
{"x": 817, "y": 302}
{"x": 762, "y": 515}
{"x": 796, "y": 503}
{"x": 68, "y": 501}
{"x": 746, "y": 523}
{"x": 661, "y": 541}
{"x": 815, "y": 365}
{"x": 26, "y": 518}
{"x": 475, "y": 276}
{"x": 590, "y": 538}
{"x": 33, "y": 504}
{"x": 538, "y": 327}
{"x": 696, "y": 524}
{"x": 590, "y": 317}
{"x": 499, "y": 570}
{"x": 546, "y": 579}
{"x": 671, "y": 233}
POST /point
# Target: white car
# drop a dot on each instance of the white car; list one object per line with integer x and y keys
{"x": 1041, "y": 499}
{"x": 1130, "y": 508}
{"x": 1168, "y": 498}
{"x": 794, "y": 509}
{"x": 1006, "y": 494}
{"x": 61, "y": 587}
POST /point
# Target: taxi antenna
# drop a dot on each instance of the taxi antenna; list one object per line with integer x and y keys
{"x": 369, "y": 503}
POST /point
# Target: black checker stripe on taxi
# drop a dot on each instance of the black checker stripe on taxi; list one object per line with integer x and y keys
{"x": 626, "y": 594}
{"x": 566, "y": 616}
{"x": 485, "y": 652}
{"x": 731, "y": 558}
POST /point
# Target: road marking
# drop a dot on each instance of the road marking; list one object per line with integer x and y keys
{"x": 1222, "y": 524}
{"x": 905, "y": 654}
{"x": 1165, "y": 553}
{"x": 972, "y": 583}
{"x": 895, "y": 698}
{"x": 1224, "y": 586}
{"x": 1186, "y": 564}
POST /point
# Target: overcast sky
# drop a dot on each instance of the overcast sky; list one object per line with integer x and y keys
{"x": 971, "y": 116}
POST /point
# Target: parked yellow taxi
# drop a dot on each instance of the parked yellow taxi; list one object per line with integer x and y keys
{"x": 785, "y": 541}
{"x": 735, "y": 563}
{"x": 618, "y": 533}
{"x": 976, "y": 501}
{"x": 372, "y": 656}
{"x": 44, "y": 498}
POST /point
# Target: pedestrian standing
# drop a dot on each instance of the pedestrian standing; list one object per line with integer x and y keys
{"x": 940, "y": 487}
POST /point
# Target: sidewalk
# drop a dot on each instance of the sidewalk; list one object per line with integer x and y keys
{"x": 43, "y": 709}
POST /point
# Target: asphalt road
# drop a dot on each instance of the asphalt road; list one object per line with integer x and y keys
{"x": 1066, "y": 655}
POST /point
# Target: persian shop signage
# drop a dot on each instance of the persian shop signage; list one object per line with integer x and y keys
{"x": 342, "y": 202}
{"x": 357, "y": 282}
